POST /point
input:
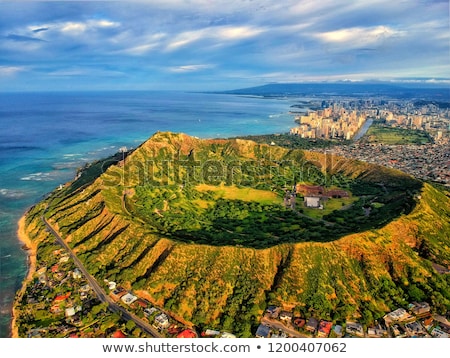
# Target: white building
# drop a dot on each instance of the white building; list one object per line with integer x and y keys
{"x": 312, "y": 202}
{"x": 162, "y": 321}
{"x": 128, "y": 298}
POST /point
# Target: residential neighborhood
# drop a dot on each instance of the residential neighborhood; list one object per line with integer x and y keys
{"x": 427, "y": 160}
{"x": 60, "y": 294}
{"x": 415, "y": 321}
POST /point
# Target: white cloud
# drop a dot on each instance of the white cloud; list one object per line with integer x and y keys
{"x": 81, "y": 71}
{"x": 218, "y": 33}
{"x": 70, "y": 27}
{"x": 74, "y": 27}
{"x": 137, "y": 47}
{"x": 359, "y": 35}
{"x": 186, "y": 38}
{"x": 437, "y": 81}
{"x": 264, "y": 40}
{"x": 106, "y": 23}
{"x": 7, "y": 71}
{"x": 236, "y": 32}
{"x": 78, "y": 27}
{"x": 308, "y": 7}
{"x": 190, "y": 68}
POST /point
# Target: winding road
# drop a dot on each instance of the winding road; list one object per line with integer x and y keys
{"x": 101, "y": 294}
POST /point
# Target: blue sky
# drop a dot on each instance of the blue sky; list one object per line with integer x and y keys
{"x": 217, "y": 45}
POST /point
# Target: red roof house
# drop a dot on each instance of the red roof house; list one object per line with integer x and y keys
{"x": 187, "y": 333}
{"x": 61, "y": 298}
{"x": 118, "y": 334}
{"x": 324, "y": 328}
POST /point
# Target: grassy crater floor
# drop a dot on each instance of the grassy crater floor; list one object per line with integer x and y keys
{"x": 229, "y": 215}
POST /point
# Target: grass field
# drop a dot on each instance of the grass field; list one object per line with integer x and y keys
{"x": 396, "y": 136}
{"x": 329, "y": 206}
{"x": 244, "y": 194}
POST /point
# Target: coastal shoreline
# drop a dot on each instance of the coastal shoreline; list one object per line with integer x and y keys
{"x": 31, "y": 250}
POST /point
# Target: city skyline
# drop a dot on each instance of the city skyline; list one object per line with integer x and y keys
{"x": 201, "y": 45}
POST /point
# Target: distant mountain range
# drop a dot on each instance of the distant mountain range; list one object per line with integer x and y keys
{"x": 396, "y": 90}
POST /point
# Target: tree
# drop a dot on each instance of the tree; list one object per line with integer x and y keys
{"x": 415, "y": 293}
{"x": 130, "y": 325}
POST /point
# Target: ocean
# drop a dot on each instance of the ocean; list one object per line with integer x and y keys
{"x": 45, "y": 137}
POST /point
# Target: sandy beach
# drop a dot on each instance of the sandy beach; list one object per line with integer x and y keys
{"x": 31, "y": 249}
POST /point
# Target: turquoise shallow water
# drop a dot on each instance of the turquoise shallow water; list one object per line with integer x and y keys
{"x": 45, "y": 137}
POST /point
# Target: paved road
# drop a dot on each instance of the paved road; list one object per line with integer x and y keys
{"x": 278, "y": 325}
{"x": 102, "y": 295}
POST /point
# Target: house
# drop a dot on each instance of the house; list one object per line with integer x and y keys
{"x": 337, "y": 329}
{"x": 428, "y": 322}
{"x": 76, "y": 274}
{"x": 43, "y": 279}
{"x": 320, "y": 191}
{"x": 324, "y": 329}
{"x": 399, "y": 315}
{"x": 445, "y": 328}
{"x": 36, "y": 333}
{"x": 419, "y": 308}
{"x": 70, "y": 311}
{"x": 442, "y": 320}
{"x": 439, "y": 333}
{"x": 310, "y": 190}
{"x": 61, "y": 298}
{"x": 187, "y": 333}
{"x": 337, "y": 193}
{"x": 210, "y": 333}
{"x": 279, "y": 334}
{"x": 354, "y": 328}
{"x": 262, "y": 331}
{"x": 398, "y": 331}
{"x": 142, "y": 303}
{"x": 174, "y": 329}
{"x": 285, "y": 316}
{"x": 312, "y": 325}
{"x": 273, "y": 311}
{"x": 299, "y": 322}
{"x": 376, "y": 332}
{"x": 128, "y": 298}
{"x": 227, "y": 335}
{"x": 162, "y": 321}
{"x": 415, "y": 329}
{"x": 85, "y": 288}
{"x": 118, "y": 334}
{"x": 118, "y": 293}
{"x": 312, "y": 202}
{"x": 149, "y": 311}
